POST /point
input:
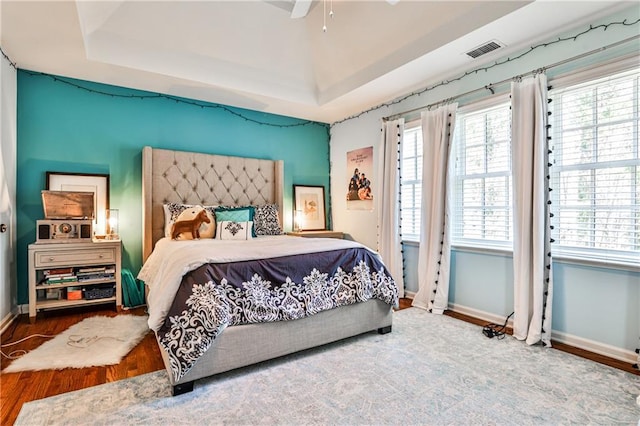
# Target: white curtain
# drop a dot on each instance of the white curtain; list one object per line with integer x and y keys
{"x": 388, "y": 203}
{"x": 435, "y": 248}
{"x": 533, "y": 281}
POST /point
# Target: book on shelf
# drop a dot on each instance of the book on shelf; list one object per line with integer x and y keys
{"x": 96, "y": 273}
{"x": 92, "y": 269}
{"x": 89, "y": 277}
{"x": 60, "y": 280}
{"x": 58, "y": 271}
{"x": 56, "y": 276}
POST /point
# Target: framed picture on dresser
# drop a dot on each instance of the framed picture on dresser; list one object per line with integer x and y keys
{"x": 85, "y": 182}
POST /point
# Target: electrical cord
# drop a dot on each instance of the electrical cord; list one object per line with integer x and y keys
{"x": 75, "y": 340}
{"x": 494, "y": 330}
{"x": 20, "y": 352}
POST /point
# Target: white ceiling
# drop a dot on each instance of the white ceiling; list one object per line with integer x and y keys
{"x": 254, "y": 54}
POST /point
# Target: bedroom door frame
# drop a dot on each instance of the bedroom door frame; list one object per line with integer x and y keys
{"x": 8, "y": 163}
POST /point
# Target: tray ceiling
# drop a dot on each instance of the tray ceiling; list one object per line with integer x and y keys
{"x": 273, "y": 56}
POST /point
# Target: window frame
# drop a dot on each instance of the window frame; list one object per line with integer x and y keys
{"x": 611, "y": 258}
{"x": 467, "y": 243}
{"x": 571, "y": 78}
{"x": 411, "y": 126}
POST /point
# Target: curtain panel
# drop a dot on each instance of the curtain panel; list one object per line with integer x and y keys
{"x": 435, "y": 248}
{"x": 533, "y": 281}
{"x": 388, "y": 202}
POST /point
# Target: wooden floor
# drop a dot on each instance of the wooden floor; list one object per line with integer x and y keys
{"x": 18, "y": 388}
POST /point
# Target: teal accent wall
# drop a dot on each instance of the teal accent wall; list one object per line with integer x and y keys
{"x": 64, "y": 128}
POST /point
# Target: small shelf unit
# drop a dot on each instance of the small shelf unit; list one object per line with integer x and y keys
{"x": 73, "y": 261}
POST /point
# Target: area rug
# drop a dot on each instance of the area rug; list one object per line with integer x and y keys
{"x": 430, "y": 370}
{"x": 94, "y": 341}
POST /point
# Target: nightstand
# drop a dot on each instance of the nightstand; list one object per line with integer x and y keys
{"x": 71, "y": 274}
{"x": 318, "y": 234}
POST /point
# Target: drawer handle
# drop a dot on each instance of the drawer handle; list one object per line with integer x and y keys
{"x": 101, "y": 256}
{"x": 51, "y": 259}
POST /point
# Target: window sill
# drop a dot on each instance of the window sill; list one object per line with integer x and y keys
{"x": 491, "y": 250}
{"x": 596, "y": 263}
{"x": 557, "y": 257}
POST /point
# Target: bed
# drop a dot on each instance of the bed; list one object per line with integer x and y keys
{"x": 191, "y": 269}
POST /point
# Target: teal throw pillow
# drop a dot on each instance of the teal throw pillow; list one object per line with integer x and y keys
{"x": 240, "y": 214}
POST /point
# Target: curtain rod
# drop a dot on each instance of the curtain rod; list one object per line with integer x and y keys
{"x": 491, "y": 85}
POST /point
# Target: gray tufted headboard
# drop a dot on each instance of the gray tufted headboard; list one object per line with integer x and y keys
{"x": 196, "y": 178}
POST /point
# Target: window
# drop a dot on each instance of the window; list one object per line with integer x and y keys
{"x": 482, "y": 213}
{"x": 411, "y": 181}
{"x": 595, "y": 172}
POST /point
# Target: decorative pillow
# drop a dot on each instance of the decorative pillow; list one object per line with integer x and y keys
{"x": 174, "y": 212}
{"x": 230, "y": 230}
{"x": 171, "y": 213}
{"x": 266, "y": 220}
{"x": 235, "y": 214}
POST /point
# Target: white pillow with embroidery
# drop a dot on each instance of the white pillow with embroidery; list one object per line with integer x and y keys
{"x": 173, "y": 211}
{"x": 205, "y": 230}
{"x": 228, "y": 230}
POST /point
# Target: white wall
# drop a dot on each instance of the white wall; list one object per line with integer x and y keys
{"x": 359, "y": 225}
{"x": 8, "y": 96}
{"x": 482, "y": 283}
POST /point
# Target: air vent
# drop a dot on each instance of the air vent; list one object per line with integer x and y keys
{"x": 484, "y": 49}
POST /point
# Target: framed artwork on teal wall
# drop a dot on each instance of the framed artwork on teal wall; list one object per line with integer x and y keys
{"x": 85, "y": 182}
{"x": 308, "y": 201}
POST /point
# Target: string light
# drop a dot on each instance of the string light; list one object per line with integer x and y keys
{"x": 375, "y": 108}
{"x": 475, "y": 71}
{"x": 178, "y": 101}
{"x": 11, "y": 64}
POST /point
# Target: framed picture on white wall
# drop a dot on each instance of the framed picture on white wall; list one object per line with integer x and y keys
{"x": 360, "y": 165}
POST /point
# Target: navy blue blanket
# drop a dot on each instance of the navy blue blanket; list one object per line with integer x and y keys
{"x": 217, "y": 295}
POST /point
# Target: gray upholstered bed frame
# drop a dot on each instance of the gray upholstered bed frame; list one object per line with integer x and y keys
{"x": 197, "y": 178}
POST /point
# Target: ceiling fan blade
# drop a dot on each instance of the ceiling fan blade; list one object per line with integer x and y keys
{"x": 300, "y": 8}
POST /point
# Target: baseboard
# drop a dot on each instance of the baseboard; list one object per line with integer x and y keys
{"x": 12, "y": 316}
{"x": 7, "y": 321}
{"x": 577, "y": 342}
{"x": 476, "y": 313}
{"x": 596, "y": 347}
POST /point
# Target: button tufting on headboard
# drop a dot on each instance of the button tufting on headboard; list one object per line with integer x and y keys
{"x": 172, "y": 176}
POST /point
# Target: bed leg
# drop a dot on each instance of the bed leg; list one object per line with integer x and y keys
{"x": 182, "y": 388}
{"x": 384, "y": 330}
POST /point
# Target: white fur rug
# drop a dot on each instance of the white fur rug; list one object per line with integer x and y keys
{"x": 94, "y": 341}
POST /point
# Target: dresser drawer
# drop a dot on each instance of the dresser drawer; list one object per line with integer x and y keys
{"x": 74, "y": 257}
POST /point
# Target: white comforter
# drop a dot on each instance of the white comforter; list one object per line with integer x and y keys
{"x": 170, "y": 260}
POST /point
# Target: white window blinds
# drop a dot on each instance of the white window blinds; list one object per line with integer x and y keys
{"x": 411, "y": 180}
{"x": 595, "y": 173}
{"x": 482, "y": 190}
